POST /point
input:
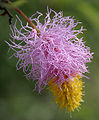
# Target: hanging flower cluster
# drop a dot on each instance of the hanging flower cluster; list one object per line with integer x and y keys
{"x": 55, "y": 57}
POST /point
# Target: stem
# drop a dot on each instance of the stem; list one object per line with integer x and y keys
{"x": 27, "y": 19}
{"x": 24, "y": 16}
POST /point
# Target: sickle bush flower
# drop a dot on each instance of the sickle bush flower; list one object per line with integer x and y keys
{"x": 57, "y": 54}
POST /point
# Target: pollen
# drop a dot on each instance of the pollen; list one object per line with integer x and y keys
{"x": 67, "y": 94}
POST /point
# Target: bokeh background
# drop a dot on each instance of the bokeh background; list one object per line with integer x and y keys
{"x": 17, "y": 99}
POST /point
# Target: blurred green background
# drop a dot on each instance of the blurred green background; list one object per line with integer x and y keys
{"x": 17, "y": 99}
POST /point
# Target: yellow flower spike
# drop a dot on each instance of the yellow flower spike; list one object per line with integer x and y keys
{"x": 68, "y": 94}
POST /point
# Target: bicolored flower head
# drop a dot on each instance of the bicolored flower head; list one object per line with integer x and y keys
{"x": 55, "y": 54}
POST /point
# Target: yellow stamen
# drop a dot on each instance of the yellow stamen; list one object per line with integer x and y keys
{"x": 68, "y": 94}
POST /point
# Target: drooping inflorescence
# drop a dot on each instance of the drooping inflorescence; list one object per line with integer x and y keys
{"x": 57, "y": 54}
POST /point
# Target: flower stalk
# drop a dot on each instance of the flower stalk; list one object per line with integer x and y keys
{"x": 23, "y": 15}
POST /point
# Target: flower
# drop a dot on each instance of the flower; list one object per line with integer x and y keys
{"x": 56, "y": 52}
{"x": 68, "y": 94}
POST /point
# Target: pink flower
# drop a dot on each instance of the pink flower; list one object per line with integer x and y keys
{"x": 58, "y": 51}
